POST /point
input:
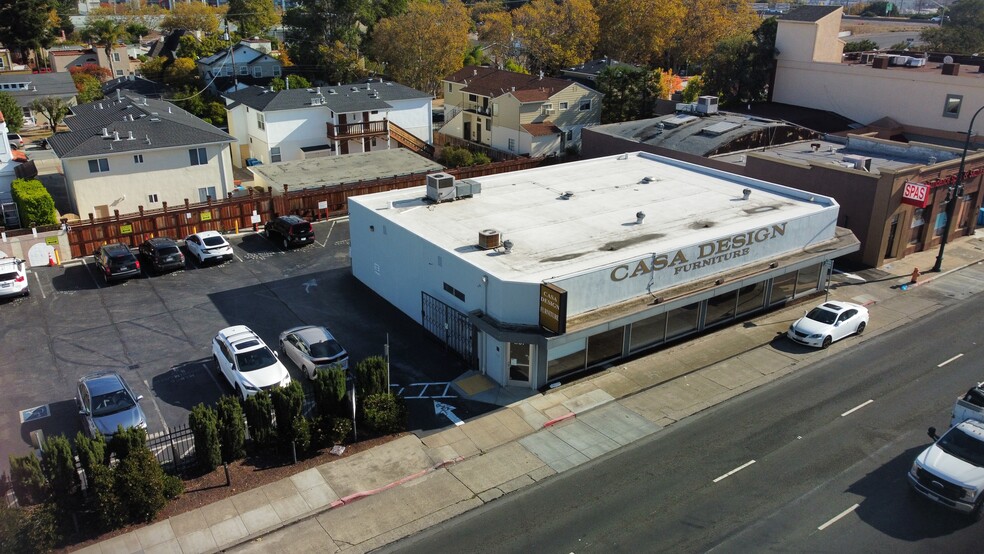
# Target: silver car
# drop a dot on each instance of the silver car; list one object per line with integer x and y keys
{"x": 106, "y": 402}
{"x": 312, "y": 348}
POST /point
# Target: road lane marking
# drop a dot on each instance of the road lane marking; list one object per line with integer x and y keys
{"x": 834, "y": 519}
{"x": 958, "y": 356}
{"x": 156, "y": 407}
{"x": 856, "y": 408}
{"x": 40, "y": 286}
{"x": 735, "y": 470}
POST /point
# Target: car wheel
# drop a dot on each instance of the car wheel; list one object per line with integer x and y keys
{"x": 975, "y": 514}
{"x": 286, "y": 244}
{"x": 27, "y": 293}
{"x": 826, "y": 342}
{"x": 860, "y": 328}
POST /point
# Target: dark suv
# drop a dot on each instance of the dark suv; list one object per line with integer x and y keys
{"x": 116, "y": 262}
{"x": 289, "y": 230}
{"x": 161, "y": 254}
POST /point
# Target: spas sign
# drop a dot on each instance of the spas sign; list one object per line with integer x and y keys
{"x": 916, "y": 194}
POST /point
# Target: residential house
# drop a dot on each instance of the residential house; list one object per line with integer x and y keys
{"x": 298, "y": 124}
{"x": 241, "y": 62}
{"x": 6, "y": 61}
{"x": 118, "y": 61}
{"x": 812, "y": 71}
{"x": 9, "y": 163}
{"x": 133, "y": 84}
{"x": 517, "y": 113}
{"x": 28, "y": 87}
{"x": 125, "y": 153}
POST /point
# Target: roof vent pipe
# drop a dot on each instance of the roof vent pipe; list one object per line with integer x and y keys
{"x": 105, "y": 133}
{"x": 508, "y": 245}
{"x": 746, "y": 193}
{"x": 640, "y": 216}
{"x": 116, "y": 135}
{"x": 129, "y": 135}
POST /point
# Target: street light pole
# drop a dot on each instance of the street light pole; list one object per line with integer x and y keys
{"x": 954, "y": 192}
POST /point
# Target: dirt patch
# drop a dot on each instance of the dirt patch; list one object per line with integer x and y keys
{"x": 244, "y": 475}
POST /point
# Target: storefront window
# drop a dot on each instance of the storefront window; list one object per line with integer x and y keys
{"x": 519, "y": 362}
{"x": 808, "y": 279}
{"x": 720, "y": 308}
{"x": 565, "y": 359}
{"x": 751, "y": 298}
{"x": 918, "y": 226}
{"x": 682, "y": 320}
{"x": 783, "y": 288}
{"x": 605, "y": 346}
{"x": 648, "y": 332}
{"x": 940, "y": 224}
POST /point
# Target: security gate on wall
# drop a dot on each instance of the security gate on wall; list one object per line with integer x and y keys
{"x": 450, "y": 326}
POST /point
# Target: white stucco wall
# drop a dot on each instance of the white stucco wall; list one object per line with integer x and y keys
{"x": 414, "y": 115}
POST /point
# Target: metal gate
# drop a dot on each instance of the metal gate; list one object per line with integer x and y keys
{"x": 450, "y": 326}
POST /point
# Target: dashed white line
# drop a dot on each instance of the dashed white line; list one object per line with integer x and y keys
{"x": 950, "y": 360}
{"x": 856, "y": 408}
{"x": 40, "y": 286}
{"x": 834, "y": 519}
{"x": 238, "y": 258}
{"x": 735, "y": 470}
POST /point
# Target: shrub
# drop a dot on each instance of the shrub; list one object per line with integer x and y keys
{"x": 173, "y": 486}
{"x": 454, "y": 156}
{"x": 339, "y": 430}
{"x": 58, "y": 465}
{"x": 258, "y": 409}
{"x": 370, "y": 377}
{"x": 28, "y": 479}
{"x": 385, "y": 413}
{"x": 91, "y": 452}
{"x": 204, "y": 425}
{"x": 292, "y": 427}
{"x": 102, "y": 498}
{"x": 34, "y": 203}
{"x": 127, "y": 441}
{"x": 481, "y": 158}
{"x": 40, "y": 534}
{"x": 232, "y": 428}
{"x": 139, "y": 483}
{"x": 329, "y": 392}
{"x": 13, "y": 525}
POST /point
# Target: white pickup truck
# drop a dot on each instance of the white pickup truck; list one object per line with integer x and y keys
{"x": 951, "y": 470}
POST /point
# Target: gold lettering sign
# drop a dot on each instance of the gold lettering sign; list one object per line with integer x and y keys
{"x": 553, "y": 308}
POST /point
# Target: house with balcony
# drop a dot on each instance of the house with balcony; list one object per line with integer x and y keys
{"x": 299, "y": 124}
{"x": 242, "y": 62}
{"x": 517, "y": 113}
{"x": 127, "y": 153}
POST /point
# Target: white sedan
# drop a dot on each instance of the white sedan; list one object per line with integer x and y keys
{"x": 208, "y": 245}
{"x": 829, "y": 322}
{"x": 312, "y": 348}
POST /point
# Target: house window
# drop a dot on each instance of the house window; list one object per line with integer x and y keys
{"x": 260, "y": 122}
{"x": 2, "y": 64}
{"x": 116, "y": 56}
{"x": 952, "y": 106}
{"x": 454, "y": 292}
{"x": 512, "y": 145}
{"x": 570, "y": 135}
{"x": 495, "y": 110}
{"x": 227, "y": 70}
{"x": 275, "y": 154}
{"x": 244, "y": 70}
{"x": 138, "y": 158}
{"x": 585, "y": 105}
{"x": 449, "y": 87}
{"x": 152, "y": 198}
{"x": 472, "y": 98}
{"x": 257, "y": 71}
{"x": 198, "y": 156}
{"x": 547, "y": 108}
{"x": 205, "y": 193}
{"x": 119, "y": 72}
{"x": 563, "y": 105}
{"x": 488, "y": 124}
{"x": 276, "y": 71}
{"x": 99, "y": 166}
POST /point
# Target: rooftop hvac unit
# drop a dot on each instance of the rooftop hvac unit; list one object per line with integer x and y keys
{"x": 489, "y": 239}
{"x": 898, "y": 60}
{"x": 951, "y": 69}
{"x": 707, "y": 105}
{"x": 880, "y": 62}
{"x": 916, "y": 62}
{"x": 866, "y": 58}
{"x": 860, "y": 162}
{"x": 466, "y": 187}
{"x": 440, "y": 187}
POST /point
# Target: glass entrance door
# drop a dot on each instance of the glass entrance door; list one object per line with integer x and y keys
{"x": 520, "y": 356}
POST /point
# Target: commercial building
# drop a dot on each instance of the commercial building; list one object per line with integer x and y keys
{"x": 537, "y": 275}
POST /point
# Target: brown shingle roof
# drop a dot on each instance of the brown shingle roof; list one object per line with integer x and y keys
{"x": 541, "y": 129}
{"x": 486, "y": 81}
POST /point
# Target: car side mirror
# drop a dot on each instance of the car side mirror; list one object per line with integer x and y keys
{"x": 932, "y": 433}
{"x": 83, "y": 411}
{"x": 275, "y": 353}
{"x": 139, "y": 398}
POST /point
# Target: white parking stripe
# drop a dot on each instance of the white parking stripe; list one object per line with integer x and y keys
{"x": 735, "y": 470}
{"x": 40, "y": 286}
{"x": 856, "y": 408}
{"x": 950, "y": 360}
{"x": 156, "y": 407}
{"x": 89, "y": 271}
{"x": 834, "y": 519}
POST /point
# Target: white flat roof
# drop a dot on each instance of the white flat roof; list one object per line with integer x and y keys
{"x": 683, "y": 204}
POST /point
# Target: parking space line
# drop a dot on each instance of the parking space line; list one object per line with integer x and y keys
{"x": 733, "y": 471}
{"x": 40, "y": 286}
{"x": 156, "y": 407}
{"x": 856, "y": 408}
{"x": 237, "y": 257}
{"x": 958, "y": 356}
{"x": 837, "y": 517}
{"x": 327, "y": 236}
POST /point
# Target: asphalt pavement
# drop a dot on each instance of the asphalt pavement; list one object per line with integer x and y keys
{"x": 397, "y": 489}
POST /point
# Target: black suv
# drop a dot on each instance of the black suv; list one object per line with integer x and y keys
{"x": 161, "y": 254}
{"x": 116, "y": 262}
{"x": 289, "y": 230}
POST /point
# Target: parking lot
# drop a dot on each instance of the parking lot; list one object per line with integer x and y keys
{"x": 157, "y": 332}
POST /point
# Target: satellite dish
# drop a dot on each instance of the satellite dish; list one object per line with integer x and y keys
{"x": 948, "y": 59}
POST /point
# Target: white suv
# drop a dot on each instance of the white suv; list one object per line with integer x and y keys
{"x": 246, "y": 361}
{"x": 13, "y": 278}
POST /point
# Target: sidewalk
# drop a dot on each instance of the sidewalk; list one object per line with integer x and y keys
{"x": 370, "y": 499}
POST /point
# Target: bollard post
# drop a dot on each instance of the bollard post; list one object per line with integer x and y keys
{"x": 225, "y": 466}
{"x": 293, "y": 448}
{"x": 915, "y": 276}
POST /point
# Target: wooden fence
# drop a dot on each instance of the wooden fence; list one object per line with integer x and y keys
{"x": 232, "y": 214}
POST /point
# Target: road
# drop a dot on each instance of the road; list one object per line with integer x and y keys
{"x": 814, "y": 462}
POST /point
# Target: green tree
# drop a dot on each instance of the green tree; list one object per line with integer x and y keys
{"x": 323, "y": 36}
{"x": 13, "y": 529}
{"x": 105, "y": 32}
{"x": 140, "y": 483}
{"x": 738, "y": 70}
{"x": 195, "y": 49}
{"x": 27, "y": 478}
{"x": 424, "y": 44}
{"x": 88, "y": 86}
{"x": 639, "y": 31}
{"x": 54, "y": 109}
{"x": 205, "y": 427}
{"x": 705, "y": 24}
{"x": 295, "y": 81}
{"x": 259, "y": 419}
{"x": 495, "y": 29}
{"x": 330, "y": 392}
{"x": 860, "y": 46}
{"x": 454, "y": 156}
{"x": 12, "y": 113}
{"x": 630, "y": 93}
{"x": 34, "y": 202}
{"x": 102, "y": 498}
{"x": 557, "y": 34}
{"x": 232, "y": 428}
{"x": 692, "y": 89}
{"x": 58, "y": 465}
{"x": 476, "y": 56}
{"x": 252, "y": 17}
{"x": 91, "y": 452}
{"x": 292, "y": 426}
{"x": 961, "y": 33}
{"x": 193, "y": 16}
{"x": 370, "y": 376}
{"x": 27, "y": 24}
{"x": 135, "y": 31}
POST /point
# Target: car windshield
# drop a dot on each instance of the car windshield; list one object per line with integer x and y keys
{"x": 963, "y": 445}
{"x": 822, "y": 315}
{"x": 214, "y": 241}
{"x": 255, "y": 359}
{"x": 327, "y": 348}
{"x": 111, "y": 403}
